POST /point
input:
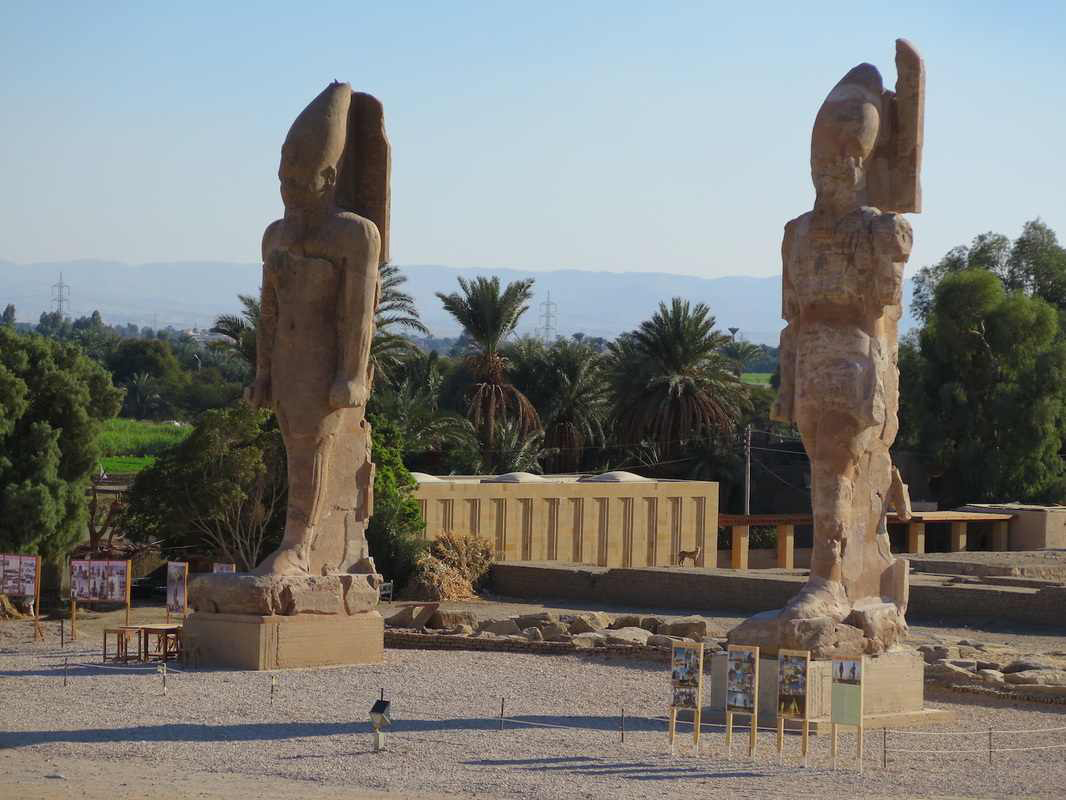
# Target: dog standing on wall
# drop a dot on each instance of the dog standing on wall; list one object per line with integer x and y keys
{"x": 693, "y": 555}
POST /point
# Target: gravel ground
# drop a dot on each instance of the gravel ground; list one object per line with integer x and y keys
{"x": 564, "y": 740}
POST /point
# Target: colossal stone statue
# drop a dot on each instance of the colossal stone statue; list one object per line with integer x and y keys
{"x": 313, "y": 600}
{"x": 319, "y": 294}
{"x": 843, "y": 277}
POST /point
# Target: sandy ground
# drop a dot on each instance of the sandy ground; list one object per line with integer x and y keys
{"x": 110, "y": 733}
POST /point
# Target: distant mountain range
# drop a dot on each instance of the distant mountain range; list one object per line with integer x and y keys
{"x": 191, "y": 294}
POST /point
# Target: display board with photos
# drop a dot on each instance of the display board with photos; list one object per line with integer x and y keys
{"x": 100, "y": 581}
{"x": 177, "y": 587}
{"x": 793, "y": 668}
{"x": 742, "y": 691}
{"x": 686, "y": 685}
{"x": 19, "y": 575}
{"x": 847, "y": 700}
{"x": 220, "y": 567}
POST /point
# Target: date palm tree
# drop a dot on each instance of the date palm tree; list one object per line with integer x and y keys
{"x": 489, "y": 316}
{"x": 740, "y": 354}
{"x": 669, "y": 381}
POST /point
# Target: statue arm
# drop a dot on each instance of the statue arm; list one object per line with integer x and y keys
{"x": 355, "y": 318}
{"x": 893, "y": 238}
{"x": 259, "y": 394}
{"x": 783, "y": 410}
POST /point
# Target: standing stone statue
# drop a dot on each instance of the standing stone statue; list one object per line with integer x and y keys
{"x": 842, "y": 284}
{"x": 319, "y": 294}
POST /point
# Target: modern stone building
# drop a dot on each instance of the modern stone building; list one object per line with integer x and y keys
{"x": 612, "y": 520}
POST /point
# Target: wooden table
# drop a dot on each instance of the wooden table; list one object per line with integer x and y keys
{"x": 122, "y": 635}
{"x": 167, "y": 638}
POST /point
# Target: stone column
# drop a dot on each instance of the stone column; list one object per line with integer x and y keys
{"x": 958, "y": 537}
{"x": 916, "y": 537}
{"x": 786, "y": 546}
{"x": 740, "y": 547}
{"x": 1001, "y": 535}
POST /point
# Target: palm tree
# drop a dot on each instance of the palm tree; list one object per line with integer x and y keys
{"x": 565, "y": 383}
{"x": 669, "y": 380}
{"x": 488, "y": 316}
{"x": 740, "y": 353}
{"x": 516, "y": 450}
{"x": 240, "y": 328}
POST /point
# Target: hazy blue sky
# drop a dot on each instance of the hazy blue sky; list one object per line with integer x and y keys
{"x": 600, "y": 135}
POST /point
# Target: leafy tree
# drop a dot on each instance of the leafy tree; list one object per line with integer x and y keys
{"x": 669, "y": 381}
{"x": 488, "y": 317}
{"x": 143, "y": 356}
{"x": 394, "y": 533}
{"x": 52, "y": 402}
{"x": 222, "y": 491}
{"x": 987, "y": 394}
{"x": 9, "y": 316}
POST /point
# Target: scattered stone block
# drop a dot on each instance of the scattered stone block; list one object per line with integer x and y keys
{"x": 555, "y": 632}
{"x": 625, "y": 621}
{"x": 1027, "y": 664}
{"x": 586, "y": 641}
{"x": 501, "y": 627}
{"x": 533, "y": 634}
{"x": 459, "y": 630}
{"x": 590, "y": 623}
{"x": 694, "y": 628}
{"x": 1043, "y": 677}
{"x": 442, "y": 619}
{"x": 990, "y": 675}
{"x": 651, "y": 624}
{"x": 631, "y": 635}
{"x": 536, "y": 620}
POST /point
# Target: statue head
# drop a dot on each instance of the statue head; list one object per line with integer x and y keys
{"x": 845, "y": 136}
{"x": 313, "y": 148}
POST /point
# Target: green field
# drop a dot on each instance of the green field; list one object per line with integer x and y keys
{"x": 130, "y": 445}
{"x": 760, "y": 378}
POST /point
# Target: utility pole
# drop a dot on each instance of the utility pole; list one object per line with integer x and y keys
{"x": 61, "y": 295}
{"x": 547, "y": 316}
{"x": 747, "y": 470}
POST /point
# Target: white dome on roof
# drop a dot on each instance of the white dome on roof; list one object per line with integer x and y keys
{"x": 421, "y": 477}
{"x": 612, "y": 477}
{"x": 514, "y": 477}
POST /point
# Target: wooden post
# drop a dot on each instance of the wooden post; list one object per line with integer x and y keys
{"x": 729, "y": 733}
{"x": 781, "y": 737}
{"x": 73, "y": 619}
{"x": 1001, "y": 535}
{"x": 916, "y": 537}
{"x": 833, "y": 745}
{"x": 806, "y": 736}
{"x": 958, "y": 537}
{"x": 673, "y": 725}
{"x": 860, "y": 749}
{"x": 740, "y": 547}
{"x": 786, "y": 546}
{"x": 38, "y": 631}
{"x": 129, "y": 582}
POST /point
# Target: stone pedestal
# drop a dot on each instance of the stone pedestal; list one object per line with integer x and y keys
{"x": 893, "y": 693}
{"x": 249, "y": 641}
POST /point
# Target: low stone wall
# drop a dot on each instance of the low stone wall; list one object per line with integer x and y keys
{"x": 410, "y": 640}
{"x": 747, "y": 592}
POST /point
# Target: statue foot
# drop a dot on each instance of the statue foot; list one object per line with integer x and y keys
{"x": 284, "y": 561}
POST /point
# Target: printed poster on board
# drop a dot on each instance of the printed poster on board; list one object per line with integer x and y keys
{"x": 686, "y": 674}
{"x": 792, "y": 667}
{"x": 10, "y": 575}
{"x": 177, "y": 580}
{"x": 847, "y": 691}
{"x": 218, "y": 567}
{"x": 740, "y": 679}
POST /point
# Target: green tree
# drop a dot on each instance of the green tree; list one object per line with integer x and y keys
{"x": 669, "y": 382}
{"x": 240, "y": 328}
{"x": 488, "y": 316}
{"x": 740, "y": 354}
{"x": 988, "y": 392}
{"x": 52, "y": 402}
{"x": 9, "y": 316}
{"x": 394, "y": 534}
{"x": 221, "y": 492}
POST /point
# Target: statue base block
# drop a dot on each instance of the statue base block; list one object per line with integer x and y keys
{"x": 893, "y": 693}
{"x": 247, "y": 641}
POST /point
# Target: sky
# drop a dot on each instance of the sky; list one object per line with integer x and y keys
{"x": 620, "y": 136}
